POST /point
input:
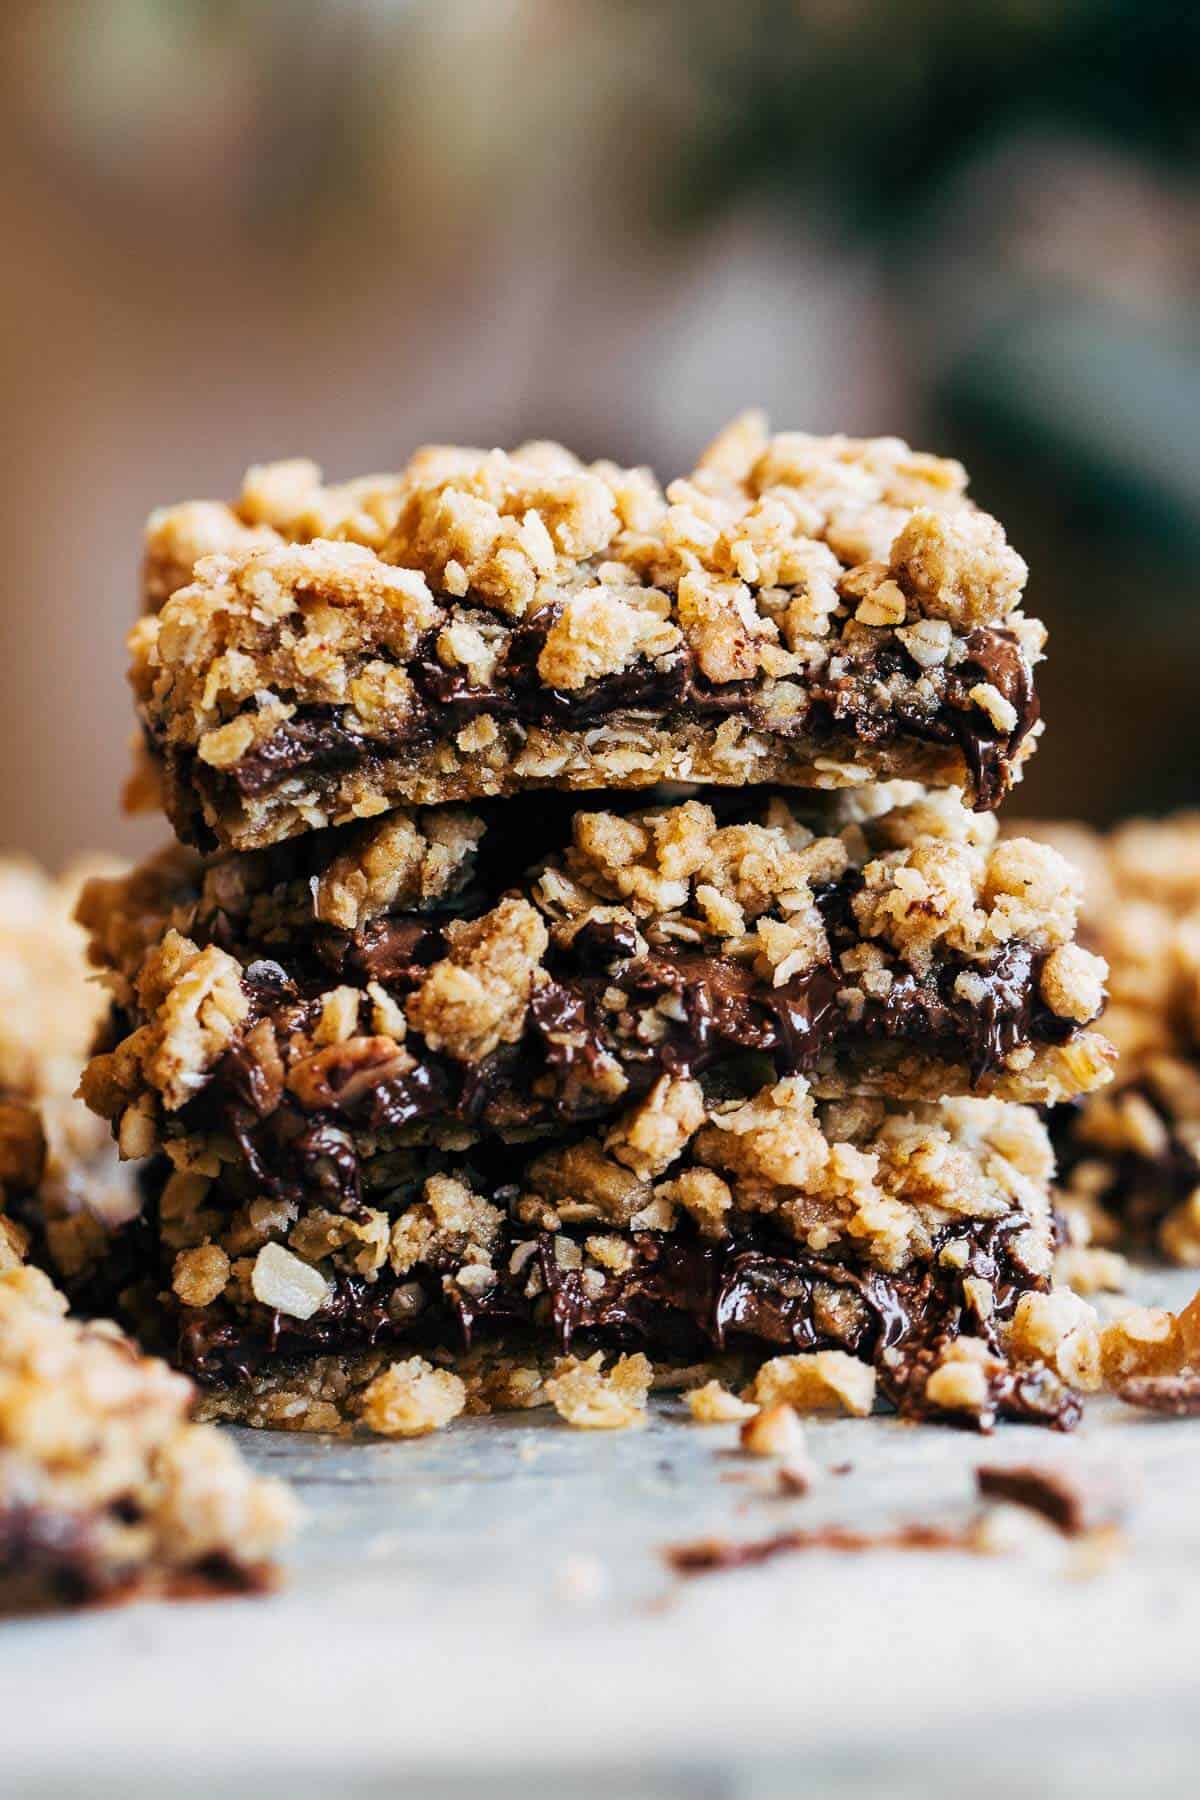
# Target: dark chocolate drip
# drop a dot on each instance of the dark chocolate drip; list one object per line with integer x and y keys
{"x": 995, "y": 657}
{"x": 316, "y": 739}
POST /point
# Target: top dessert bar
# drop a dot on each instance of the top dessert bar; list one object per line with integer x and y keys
{"x": 816, "y": 612}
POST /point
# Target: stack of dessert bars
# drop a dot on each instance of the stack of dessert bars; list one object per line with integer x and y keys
{"x": 589, "y": 934}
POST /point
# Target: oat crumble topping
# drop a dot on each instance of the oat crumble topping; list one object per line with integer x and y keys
{"x": 799, "y": 609}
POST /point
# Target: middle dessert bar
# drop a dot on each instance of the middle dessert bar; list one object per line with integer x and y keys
{"x": 918, "y": 1241}
{"x": 447, "y": 976}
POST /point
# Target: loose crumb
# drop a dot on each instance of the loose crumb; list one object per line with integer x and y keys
{"x": 412, "y": 1398}
{"x": 714, "y": 1404}
{"x": 587, "y": 1397}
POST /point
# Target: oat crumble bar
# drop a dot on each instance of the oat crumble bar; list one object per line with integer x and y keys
{"x": 757, "y": 1223}
{"x": 818, "y": 612}
{"x": 106, "y": 1487}
{"x": 1132, "y": 1155}
{"x": 406, "y": 981}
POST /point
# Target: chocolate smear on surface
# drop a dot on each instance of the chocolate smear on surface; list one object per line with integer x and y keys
{"x": 1073, "y": 1503}
{"x": 708, "y": 1556}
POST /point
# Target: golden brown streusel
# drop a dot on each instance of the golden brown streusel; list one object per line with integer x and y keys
{"x": 715, "y": 1404}
{"x": 1135, "y": 1150}
{"x": 49, "y": 1015}
{"x": 412, "y": 1398}
{"x": 821, "y": 1381}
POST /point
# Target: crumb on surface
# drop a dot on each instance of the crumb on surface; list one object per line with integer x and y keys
{"x": 824, "y": 1381}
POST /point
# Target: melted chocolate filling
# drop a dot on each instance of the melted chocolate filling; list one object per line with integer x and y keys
{"x": 723, "y": 1022}
{"x": 318, "y": 740}
{"x": 682, "y": 1297}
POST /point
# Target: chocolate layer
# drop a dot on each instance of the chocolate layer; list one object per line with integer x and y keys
{"x": 727, "y": 1025}
{"x": 682, "y": 1297}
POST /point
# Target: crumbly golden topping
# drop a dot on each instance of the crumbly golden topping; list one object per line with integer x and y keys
{"x": 821, "y": 1381}
{"x": 50, "y": 1013}
{"x": 593, "y": 1398}
{"x": 411, "y": 1398}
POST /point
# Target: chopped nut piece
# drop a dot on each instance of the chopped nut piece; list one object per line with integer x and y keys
{"x": 1143, "y": 1341}
{"x": 775, "y": 1430}
{"x": 286, "y": 1284}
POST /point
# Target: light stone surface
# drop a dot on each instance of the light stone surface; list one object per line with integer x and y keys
{"x": 490, "y": 1606}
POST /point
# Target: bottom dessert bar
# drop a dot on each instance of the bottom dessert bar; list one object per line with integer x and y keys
{"x": 106, "y": 1486}
{"x": 919, "y": 1242}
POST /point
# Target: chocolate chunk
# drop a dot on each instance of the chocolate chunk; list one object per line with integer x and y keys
{"x": 315, "y": 740}
{"x": 393, "y": 951}
{"x": 1072, "y": 1503}
{"x": 601, "y": 942}
{"x": 994, "y": 657}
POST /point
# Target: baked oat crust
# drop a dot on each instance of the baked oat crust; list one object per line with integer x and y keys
{"x": 1132, "y": 1154}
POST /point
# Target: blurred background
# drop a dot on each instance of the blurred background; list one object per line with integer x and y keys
{"x": 238, "y": 231}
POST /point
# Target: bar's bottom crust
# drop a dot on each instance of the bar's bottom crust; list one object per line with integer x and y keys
{"x": 324, "y": 1393}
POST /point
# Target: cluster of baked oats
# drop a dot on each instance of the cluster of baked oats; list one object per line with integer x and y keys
{"x": 1130, "y": 1156}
